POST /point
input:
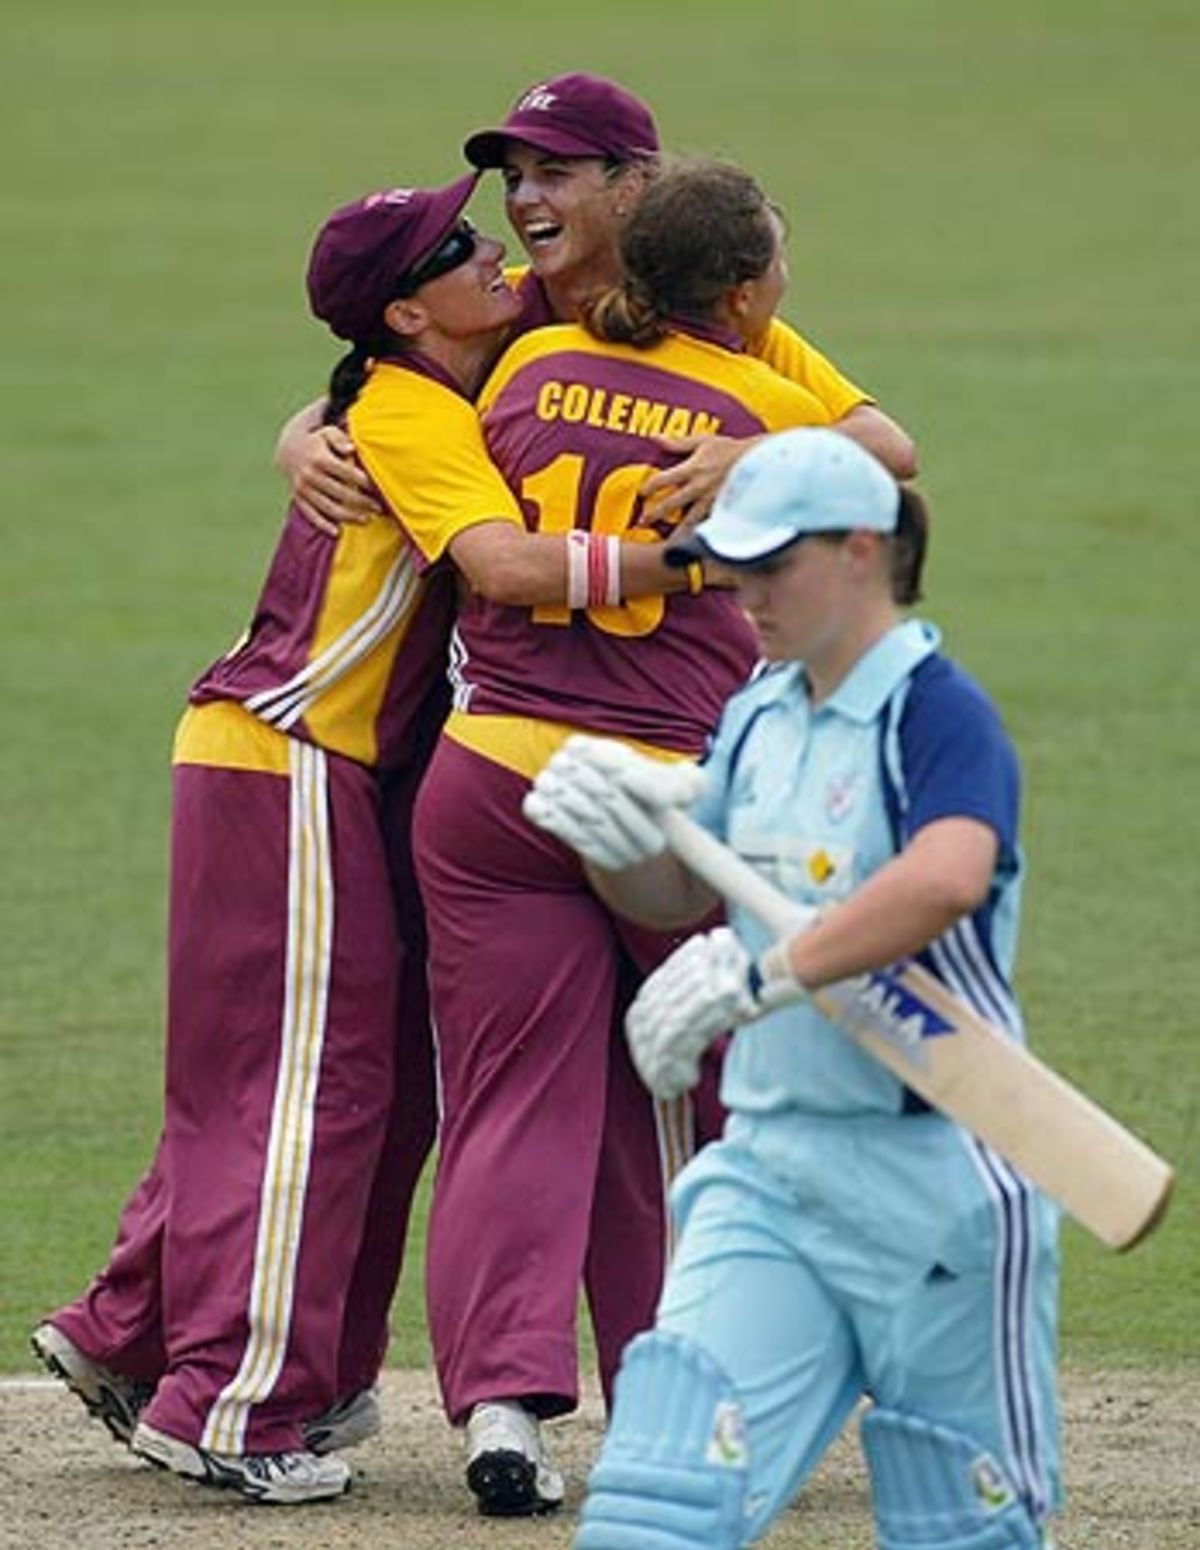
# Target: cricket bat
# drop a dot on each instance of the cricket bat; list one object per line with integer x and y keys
{"x": 1102, "y": 1174}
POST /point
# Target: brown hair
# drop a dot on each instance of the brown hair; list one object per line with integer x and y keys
{"x": 349, "y": 375}
{"x": 700, "y": 228}
{"x": 905, "y": 545}
{"x": 908, "y": 545}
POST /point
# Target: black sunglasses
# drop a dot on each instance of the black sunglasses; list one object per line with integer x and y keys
{"x": 452, "y": 252}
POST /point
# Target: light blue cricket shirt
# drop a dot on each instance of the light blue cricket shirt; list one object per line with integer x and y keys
{"x": 819, "y": 799}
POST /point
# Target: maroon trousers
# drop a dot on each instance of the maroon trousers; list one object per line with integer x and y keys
{"x": 255, "y": 1262}
{"x": 553, "y": 1159}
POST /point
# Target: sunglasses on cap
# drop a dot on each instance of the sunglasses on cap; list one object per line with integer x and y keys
{"x": 451, "y": 253}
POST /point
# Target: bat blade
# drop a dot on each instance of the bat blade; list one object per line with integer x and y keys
{"x": 1108, "y": 1179}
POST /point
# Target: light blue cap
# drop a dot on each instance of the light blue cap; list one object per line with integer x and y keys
{"x": 802, "y": 481}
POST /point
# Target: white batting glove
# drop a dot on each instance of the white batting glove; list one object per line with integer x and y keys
{"x": 602, "y": 799}
{"x": 708, "y": 985}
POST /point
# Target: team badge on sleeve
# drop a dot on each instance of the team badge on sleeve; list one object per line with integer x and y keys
{"x": 727, "y": 1446}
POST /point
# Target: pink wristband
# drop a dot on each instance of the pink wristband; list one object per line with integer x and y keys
{"x": 597, "y": 556}
{"x": 593, "y": 570}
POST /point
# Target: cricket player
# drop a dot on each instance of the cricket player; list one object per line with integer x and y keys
{"x": 236, "y": 1332}
{"x": 841, "y": 1241}
{"x": 527, "y": 966}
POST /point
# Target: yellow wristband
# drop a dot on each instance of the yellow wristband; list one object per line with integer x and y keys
{"x": 695, "y": 577}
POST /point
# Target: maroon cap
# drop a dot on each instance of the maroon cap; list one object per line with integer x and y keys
{"x": 365, "y": 249}
{"x": 572, "y": 115}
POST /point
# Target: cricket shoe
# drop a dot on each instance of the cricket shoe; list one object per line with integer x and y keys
{"x": 277, "y": 1479}
{"x": 507, "y": 1465}
{"x": 115, "y": 1400}
{"x": 343, "y": 1425}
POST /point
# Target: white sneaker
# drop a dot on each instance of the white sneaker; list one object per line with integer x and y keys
{"x": 111, "y": 1398}
{"x": 508, "y": 1468}
{"x": 344, "y": 1425}
{"x": 283, "y": 1479}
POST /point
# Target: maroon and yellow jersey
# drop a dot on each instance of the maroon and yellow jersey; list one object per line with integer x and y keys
{"x": 571, "y": 424}
{"x": 783, "y": 349}
{"x": 350, "y": 634}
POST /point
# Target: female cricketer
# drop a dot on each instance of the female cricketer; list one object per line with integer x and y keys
{"x": 551, "y": 1158}
{"x": 841, "y": 1241}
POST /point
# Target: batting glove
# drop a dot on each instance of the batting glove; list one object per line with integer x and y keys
{"x": 602, "y": 799}
{"x": 708, "y": 985}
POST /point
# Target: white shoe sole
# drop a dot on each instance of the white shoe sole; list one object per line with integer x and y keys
{"x": 113, "y": 1400}
{"x": 229, "y": 1472}
{"x": 170, "y": 1453}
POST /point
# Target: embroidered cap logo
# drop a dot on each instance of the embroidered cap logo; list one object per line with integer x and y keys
{"x": 537, "y": 97}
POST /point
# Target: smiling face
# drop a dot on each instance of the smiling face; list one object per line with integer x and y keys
{"x": 471, "y": 298}
{"x": 461, "y": 317}
{"x": 567, "y": 213}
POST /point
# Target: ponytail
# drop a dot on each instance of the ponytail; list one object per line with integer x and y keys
{"x": 347, "y": 378}
{"x": 908, "y": 545}
{"x": 625, "y": 315}
{"x": 346, "y": 383}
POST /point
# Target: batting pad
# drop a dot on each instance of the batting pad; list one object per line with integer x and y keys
{"x": 935, "y": 1489}
{"x": 673, "y": 1471}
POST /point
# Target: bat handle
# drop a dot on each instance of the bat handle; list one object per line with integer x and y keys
{"x": 733, "y": 878}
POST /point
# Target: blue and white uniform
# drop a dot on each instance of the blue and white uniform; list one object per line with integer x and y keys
{"x": 820, "y": 799}
{"x": 843, "y": 1240}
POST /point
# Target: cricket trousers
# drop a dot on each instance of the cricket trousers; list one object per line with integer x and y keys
{"x": 238, "y": 1253}
{"x": 412, "y": 1122}
{"x": 554, "y": 1161}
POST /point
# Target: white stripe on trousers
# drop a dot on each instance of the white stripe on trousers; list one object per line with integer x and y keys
{"x": 1014, "y": 1357}
{"x": 964, "y": 967}
{"x": 289, "y": 1147}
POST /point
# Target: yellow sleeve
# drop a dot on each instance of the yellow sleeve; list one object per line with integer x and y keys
{"x": 784, "y": 404}
{"x": 786, "y": 352}
{"x": 422, "y": 445}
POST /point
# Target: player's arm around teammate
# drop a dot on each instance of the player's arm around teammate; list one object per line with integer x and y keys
{"x": 576, "y": 153}
{"x": 247, "y": 1297}
{"x": 841, "y": 1241}
{"x": 419, "y": 342}
{"x": 451, "y": 324}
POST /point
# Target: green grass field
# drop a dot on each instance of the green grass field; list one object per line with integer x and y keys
{"x": 994, "y": 225}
